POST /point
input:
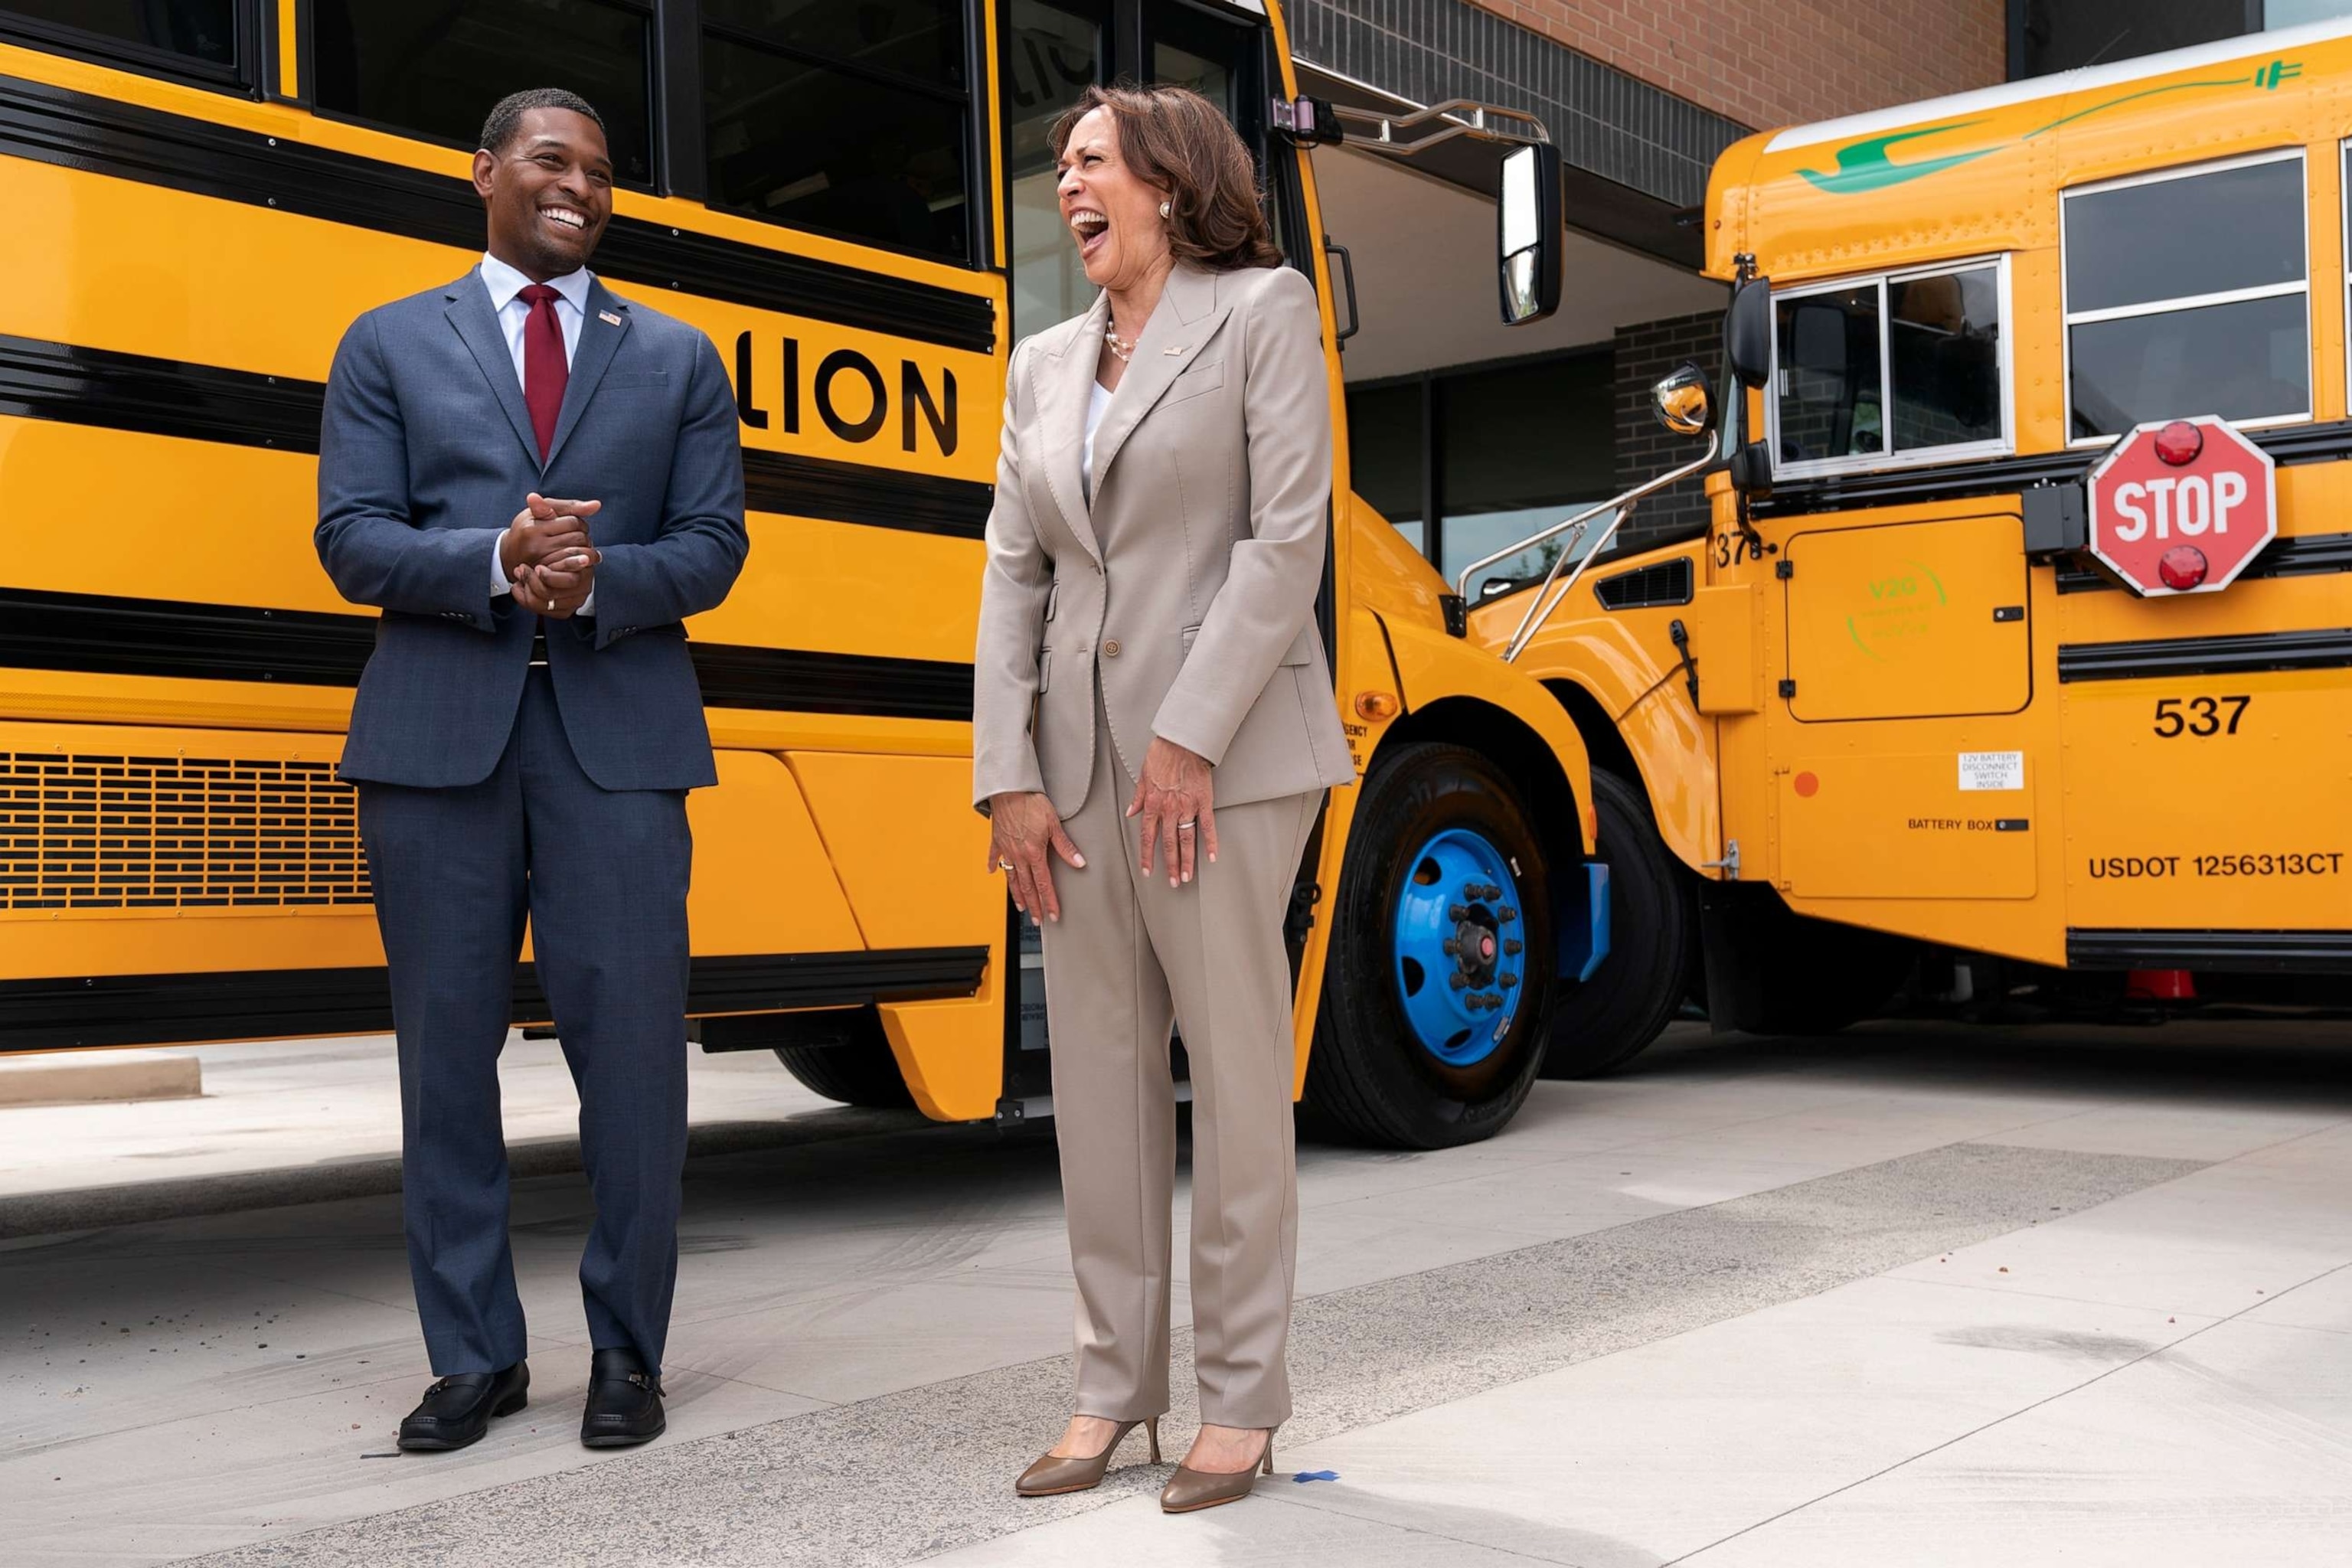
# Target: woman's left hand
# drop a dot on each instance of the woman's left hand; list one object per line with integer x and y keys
{"x": 1173, "y": 798}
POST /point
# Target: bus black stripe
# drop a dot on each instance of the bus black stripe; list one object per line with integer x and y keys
{"x": 2307, "y": 555}
{"x": 94, "y": 635}
{"x": 2288, "y": 445}
{"x": 2254, "y": 952}
{"x": 77, "y": 385}
{"x": 98, "y": 135}
{"x": 876, "y": 498}
{"x": 40, "y": 380}
{"x": 149, "y": 1009}
{"x": 2163, "y": 657}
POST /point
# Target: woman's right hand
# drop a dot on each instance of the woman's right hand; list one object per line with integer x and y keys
{"x": 1022, "y": 826}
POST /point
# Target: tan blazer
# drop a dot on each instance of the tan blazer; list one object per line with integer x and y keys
{"x": 1187, "y": 588}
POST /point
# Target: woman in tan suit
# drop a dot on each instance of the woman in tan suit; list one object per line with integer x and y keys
{"x": 1153, "y": 709}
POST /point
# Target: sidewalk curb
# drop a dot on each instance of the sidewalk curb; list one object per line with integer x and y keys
{"x": 134, "y": 1202}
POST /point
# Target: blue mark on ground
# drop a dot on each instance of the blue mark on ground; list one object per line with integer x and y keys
{"x": 1303, "y": 1477}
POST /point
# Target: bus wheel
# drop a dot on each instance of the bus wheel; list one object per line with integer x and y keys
{"x": 1436, "y": 994}
{"x": 859, "y": 1071}
{"x": 1604, "y": 1023}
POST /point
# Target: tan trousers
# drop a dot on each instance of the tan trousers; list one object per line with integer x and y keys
{"x": 1129, "y": 955}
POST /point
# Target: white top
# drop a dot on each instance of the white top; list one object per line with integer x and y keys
{"x": 506, "y": 286}
{"x": 1097, "y": 402}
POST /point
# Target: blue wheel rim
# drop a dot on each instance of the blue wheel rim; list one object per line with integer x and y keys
{"x": 1459, "y": 959}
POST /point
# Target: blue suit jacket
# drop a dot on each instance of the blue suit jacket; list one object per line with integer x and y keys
{"x": 426, "y": 451}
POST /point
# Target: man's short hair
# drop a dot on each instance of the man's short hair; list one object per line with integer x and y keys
{"x": 504, "y": 123}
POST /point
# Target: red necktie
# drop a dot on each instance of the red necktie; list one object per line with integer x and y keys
{"x": 544, "y": 368}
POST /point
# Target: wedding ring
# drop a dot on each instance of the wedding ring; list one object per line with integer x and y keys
{"x": 1183, "y": 827}
{"x": 1004, "y": 865}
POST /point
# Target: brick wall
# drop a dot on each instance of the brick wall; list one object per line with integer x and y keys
{"x": 1646, "y": 447}
{"x": 1788, "y": 61}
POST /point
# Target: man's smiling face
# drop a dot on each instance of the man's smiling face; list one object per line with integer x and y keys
{"x": 550, "y": 192}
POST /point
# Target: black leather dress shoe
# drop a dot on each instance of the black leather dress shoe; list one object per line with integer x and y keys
{"x": 458, "y": 1409}
{"x": 624, "y": 1402}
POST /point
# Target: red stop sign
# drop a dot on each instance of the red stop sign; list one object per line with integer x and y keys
{"x": 2179, "y": 506}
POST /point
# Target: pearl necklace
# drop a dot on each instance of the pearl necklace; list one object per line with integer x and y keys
{"x": 1119, "y": 346}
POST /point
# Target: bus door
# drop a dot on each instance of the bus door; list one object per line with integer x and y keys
{"x": 1049, "y": 53}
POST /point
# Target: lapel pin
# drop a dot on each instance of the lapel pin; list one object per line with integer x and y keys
{"x": 607, "y": 316}
{"x": 1180, "y": 348}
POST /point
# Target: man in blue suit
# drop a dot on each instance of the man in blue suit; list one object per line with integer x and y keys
{"x": 524, "y": 737}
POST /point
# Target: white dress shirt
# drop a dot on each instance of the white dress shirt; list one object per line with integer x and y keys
{"x": 506, "y": 286}
{"x": 1098, "y": 405}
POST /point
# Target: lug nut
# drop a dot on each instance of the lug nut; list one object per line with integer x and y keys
{"x": 1507, "y": 981}
{"x": 1470, "y": 890}
{"x": 1493, "y": 891}
{"x": 1511, "y": 946}
{"x": 1457, "y": 913}
{"x": 1458, "y": 980}
{"x": 1450, "y": 948}
{"x": 1506, "y": 914}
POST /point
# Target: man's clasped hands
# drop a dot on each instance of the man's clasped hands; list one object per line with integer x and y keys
{"x": 546, "y": 555}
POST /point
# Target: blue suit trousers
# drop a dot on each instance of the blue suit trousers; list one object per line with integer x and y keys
{"x": 600, "y": 874}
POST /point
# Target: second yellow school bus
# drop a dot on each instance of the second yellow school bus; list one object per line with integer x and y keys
{"x": 1894, "y": 698}
{"x": 858, "y": 210}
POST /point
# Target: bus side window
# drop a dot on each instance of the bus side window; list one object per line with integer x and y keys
{"x": 1828, "y": 395}
{"x": 434, "y": 70}
{"x": 852, "y": 121}
{"x": 2187, "y": 292}
{"x": 195, "y": 37}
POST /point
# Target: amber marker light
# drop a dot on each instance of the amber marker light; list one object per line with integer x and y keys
{"x": 2178, "y": 444}
{"x": 1375, "y": 706}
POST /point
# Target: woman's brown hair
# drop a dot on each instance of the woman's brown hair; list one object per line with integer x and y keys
{"x": 1179, "y": 142}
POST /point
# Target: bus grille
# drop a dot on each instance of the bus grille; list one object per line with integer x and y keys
{"x": 138, "y": 833}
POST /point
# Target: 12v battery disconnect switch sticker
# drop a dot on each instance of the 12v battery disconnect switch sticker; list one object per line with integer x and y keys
{"x": 1992, "y": 770}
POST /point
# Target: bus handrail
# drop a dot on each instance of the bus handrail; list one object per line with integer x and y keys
{"x": 1455, "y": 117}
{"x": 1541, "y": 607}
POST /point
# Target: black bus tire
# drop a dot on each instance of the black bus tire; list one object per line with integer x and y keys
{"x": 1370, "y": 1079}
{"x": 851, "y": 1075}
{"x": 1606, "y": 1022}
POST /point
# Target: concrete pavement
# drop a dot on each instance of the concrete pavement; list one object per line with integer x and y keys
{"x": 1916, "y": 1294}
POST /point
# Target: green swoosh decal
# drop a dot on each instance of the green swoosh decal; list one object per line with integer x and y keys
{"x": 2128, "y": 98}
{"x": 1864, "y": 166}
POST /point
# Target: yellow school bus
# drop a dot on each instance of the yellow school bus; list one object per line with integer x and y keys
{"x": 1933, "y": 681}
{"x": 857, "y": 204}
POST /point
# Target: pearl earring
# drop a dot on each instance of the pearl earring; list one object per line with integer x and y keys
{"x": 1164, "y": 209}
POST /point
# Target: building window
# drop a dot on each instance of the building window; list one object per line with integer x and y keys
{"x": 1520, "y": 447}
{"x": 2187, "y": 292}
{"x": 1501, "y": 451}
{"x": 175, "y": 38}
{"x": 434, "y": 71}
{"x": 1911, "y": 367}
{"x": 1384, "y": 453}
{"x": 852, "y": 121}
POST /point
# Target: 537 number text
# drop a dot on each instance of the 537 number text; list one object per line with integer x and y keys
{"x": 2199, "y": 716}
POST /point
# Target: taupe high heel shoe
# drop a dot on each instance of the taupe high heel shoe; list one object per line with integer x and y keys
{"x": 1053, "y": 1473}
{"x": 1190, "y": 1491}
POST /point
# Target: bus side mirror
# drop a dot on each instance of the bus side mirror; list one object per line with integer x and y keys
{"x": 1529, "y": 233}
{"x": 1748, "y": 332}
{"x": 1683, "y": 403}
